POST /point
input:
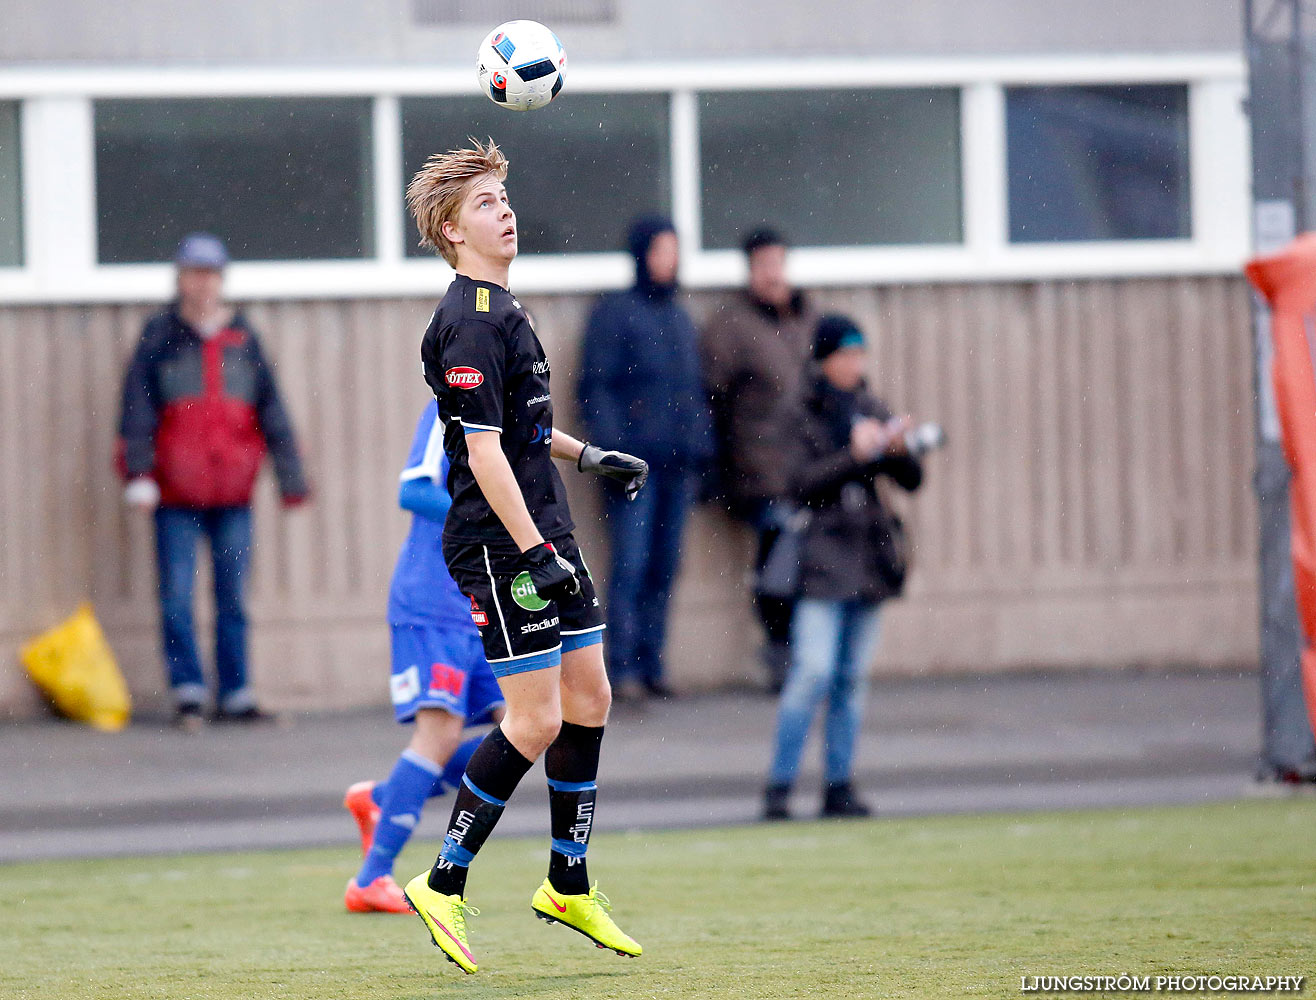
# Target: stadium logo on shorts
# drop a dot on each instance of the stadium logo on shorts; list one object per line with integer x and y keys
{"x": 525, "y": 595}
{"x": 463, "y": 378}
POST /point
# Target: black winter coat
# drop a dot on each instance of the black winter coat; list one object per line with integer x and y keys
{"x": 849, "y": 524}
{"x": 640, "y": 388}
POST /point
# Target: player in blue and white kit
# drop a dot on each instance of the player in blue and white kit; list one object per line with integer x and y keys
{"x": 441, "y": 680}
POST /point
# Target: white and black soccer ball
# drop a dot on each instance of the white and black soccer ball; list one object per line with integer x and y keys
{"x": 521, "y": 65}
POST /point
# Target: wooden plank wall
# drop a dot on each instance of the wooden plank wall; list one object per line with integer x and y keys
{"x": 1094, "y": 507}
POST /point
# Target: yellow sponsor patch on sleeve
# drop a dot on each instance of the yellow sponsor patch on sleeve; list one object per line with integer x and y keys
{"x": 482, "y": 300}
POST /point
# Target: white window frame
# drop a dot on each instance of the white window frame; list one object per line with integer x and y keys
{"x": 59, "y": 210}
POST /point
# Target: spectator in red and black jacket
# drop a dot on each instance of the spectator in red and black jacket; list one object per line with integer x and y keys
{"x": 200, "y": 409}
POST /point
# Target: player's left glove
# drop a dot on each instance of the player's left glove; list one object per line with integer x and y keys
{"x": 553, "y": 576}
{"x": 628, "y": 470}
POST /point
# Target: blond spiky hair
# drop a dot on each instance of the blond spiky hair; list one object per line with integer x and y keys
{"x": 435, "y": 194}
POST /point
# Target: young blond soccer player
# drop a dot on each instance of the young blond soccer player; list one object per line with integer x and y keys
{"x": 508, "y": 544}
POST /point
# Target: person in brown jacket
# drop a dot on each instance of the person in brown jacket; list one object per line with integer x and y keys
{"x": 756, "y": 355}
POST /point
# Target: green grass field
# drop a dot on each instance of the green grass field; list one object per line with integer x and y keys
{"x": 948, "y": 906}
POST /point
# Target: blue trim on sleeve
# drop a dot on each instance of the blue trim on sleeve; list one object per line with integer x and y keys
{"x": 466, "y": 780}
{"x": 572, "y": 786}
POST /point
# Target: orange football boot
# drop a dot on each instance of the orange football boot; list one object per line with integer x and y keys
{"x": 363, "y": 809}
{"x": 383, "y": 895}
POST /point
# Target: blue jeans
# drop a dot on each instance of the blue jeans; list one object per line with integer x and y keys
{"x": 832, "y": 644}
{"x": 646, "y": 551}
{"x": 177, "y": 531}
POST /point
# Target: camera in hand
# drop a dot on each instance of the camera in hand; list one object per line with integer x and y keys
{"x": 924, "y": 438}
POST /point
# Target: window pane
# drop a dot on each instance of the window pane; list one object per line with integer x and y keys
{"x": 11, "y": 198}
{"x": 285, "y": 179}
{"x": 832, "y": 167}
{"x": 1098, "y": 163}
{"x": 581, "y": 168}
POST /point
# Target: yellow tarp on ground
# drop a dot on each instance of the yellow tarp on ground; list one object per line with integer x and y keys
{"x": 74, "y": 665}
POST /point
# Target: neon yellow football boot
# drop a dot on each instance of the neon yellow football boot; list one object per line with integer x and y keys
{"x": 445, "y": 916}
{"x": 586, "y": 913}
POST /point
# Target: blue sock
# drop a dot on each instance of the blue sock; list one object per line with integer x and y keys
{"x": 456, "y": 767}
{"x": 402, "y": 798}
{"x": 452, "y": 774}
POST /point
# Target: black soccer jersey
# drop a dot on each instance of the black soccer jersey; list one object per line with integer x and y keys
{"x": 489, "y": 374}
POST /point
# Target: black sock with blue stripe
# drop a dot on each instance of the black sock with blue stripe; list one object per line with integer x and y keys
{"x": 491, "y": 777}
{"x": 571, "y": 764}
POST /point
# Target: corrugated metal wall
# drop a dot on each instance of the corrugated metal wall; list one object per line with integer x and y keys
{"x": 1094, "y": 506}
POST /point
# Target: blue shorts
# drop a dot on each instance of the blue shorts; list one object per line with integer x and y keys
{"x": 442, "y": 667}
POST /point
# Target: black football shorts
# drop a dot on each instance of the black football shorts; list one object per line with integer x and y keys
{"x": 520, "y": 630}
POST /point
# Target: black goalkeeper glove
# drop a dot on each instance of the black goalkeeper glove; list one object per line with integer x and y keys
{"x": 628, "y": 470}
{"x": 554, "y": 578}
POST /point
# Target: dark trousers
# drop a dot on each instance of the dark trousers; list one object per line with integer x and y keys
{"x": 767, "y": 518}
{"x": 646, "y": 551}
{"x": 775, "y": 613}
{"x": 228, "y": 530}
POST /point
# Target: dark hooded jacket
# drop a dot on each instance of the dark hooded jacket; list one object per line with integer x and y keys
{"x": 641, "y": 388}
{"x": 846, "y": 549}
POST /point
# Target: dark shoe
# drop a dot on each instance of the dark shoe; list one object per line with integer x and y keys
{"x": 251, "y": 715}
{"x": 776, "y": 802}
{"x": 840, "y": 800}
{"x": 189, "y": 718}
{"x": 659, "y": 689}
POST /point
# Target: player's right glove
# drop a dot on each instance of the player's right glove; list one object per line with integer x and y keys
{"x": 554, "y": 577}
{"x": 628, "y": 470}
